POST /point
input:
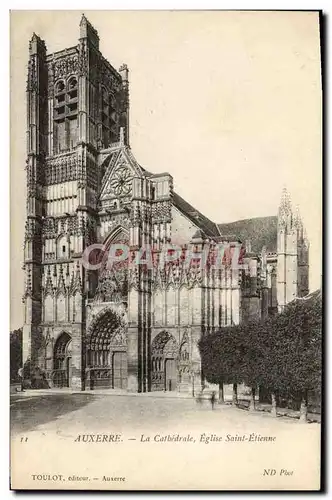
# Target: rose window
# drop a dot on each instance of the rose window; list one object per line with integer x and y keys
{"x": 121, "y": 183}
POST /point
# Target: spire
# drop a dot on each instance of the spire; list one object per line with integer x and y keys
{"x": 285, "y": 203}
{"x": 88, "y": 31}
{"x": 83, "y": 21}
{"x": 76, "y": 283}
{"x": 49, "y": 283}
{"x": 124, "y": 72}
{"x": 48, "y": 337}
{"x": 285, "y": 208}
{"x": 297, "y": 218}
{"x": 61, "y": 282}
{"x": 37, "y": 45}
{"x": 301, "y": 230}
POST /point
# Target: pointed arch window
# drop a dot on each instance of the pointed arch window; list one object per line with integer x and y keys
{"x": 65, "y": 115}
{"x": 105, "y": 117}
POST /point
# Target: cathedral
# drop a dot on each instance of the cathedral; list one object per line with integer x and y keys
{"x": 130, "y": 327}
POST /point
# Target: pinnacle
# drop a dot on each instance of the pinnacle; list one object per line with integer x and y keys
{"x": 297, "y": 217}
{"x": 38, "y": 40}
{"x": 285, "y": 203}
{"x": 83, "y": 19}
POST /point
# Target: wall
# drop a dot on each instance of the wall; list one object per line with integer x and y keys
{"x": 182, "y": 229}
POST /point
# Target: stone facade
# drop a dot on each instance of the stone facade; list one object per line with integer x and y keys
{"x": 129, "y": 327}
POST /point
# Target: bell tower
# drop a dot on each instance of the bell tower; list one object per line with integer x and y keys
{"x": 36, "y": 93}
{"x": 76, "y": 105}
{"x": 293, "y": 254}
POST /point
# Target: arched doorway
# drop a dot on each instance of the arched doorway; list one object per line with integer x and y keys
{"x": 164, "y": 351}
{"x": 62, "y": 361}
{"x": 107, "y": 351}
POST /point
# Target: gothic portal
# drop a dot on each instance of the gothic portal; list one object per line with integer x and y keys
{"x": 131, "y": 327}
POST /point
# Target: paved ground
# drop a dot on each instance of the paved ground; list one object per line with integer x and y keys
{"x": 64, "y": 413}
{"x": 29, "y": 412}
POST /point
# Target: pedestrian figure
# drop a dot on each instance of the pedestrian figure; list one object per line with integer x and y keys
{"x": 213, "y": 399}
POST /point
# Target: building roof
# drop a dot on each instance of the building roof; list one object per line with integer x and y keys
{"x": 196, "y": 217}
{"x": 199, "y": 235}
{"x": 312, "y": 296}
{"x": 261, "y": 231}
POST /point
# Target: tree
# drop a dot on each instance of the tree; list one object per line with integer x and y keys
{"x": 282, "y": 354}
{"x": 272, "y": 352}
{"x": 15, "y": 353}
{"x": 221, "y": 353}
{"x": 291, "y": 349}
{"x": 252, "y": 361}
{"x": 233, "y": 355}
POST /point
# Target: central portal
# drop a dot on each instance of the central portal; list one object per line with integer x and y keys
{"x": 107, "y": 352}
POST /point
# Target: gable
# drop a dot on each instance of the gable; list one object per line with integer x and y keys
{"x": 120, "y": 169}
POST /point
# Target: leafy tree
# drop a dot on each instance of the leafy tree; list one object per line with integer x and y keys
{"x": 27, "y": 369}
{"x": 282, "y": 353}
{"x": 221, "y": 353}
{"x": 252, "y": 362}
{"x": 233, "y": 355}
{"x": 291, "y": 349}
{"x": 15, "y": 353}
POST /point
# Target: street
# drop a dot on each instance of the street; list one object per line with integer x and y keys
{"x": 64, "y": 413}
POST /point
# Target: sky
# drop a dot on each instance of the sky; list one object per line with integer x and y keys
{"x": 229, "y": 103}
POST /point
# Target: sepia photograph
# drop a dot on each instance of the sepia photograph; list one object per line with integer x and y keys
{"x": 166, "y": 250}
